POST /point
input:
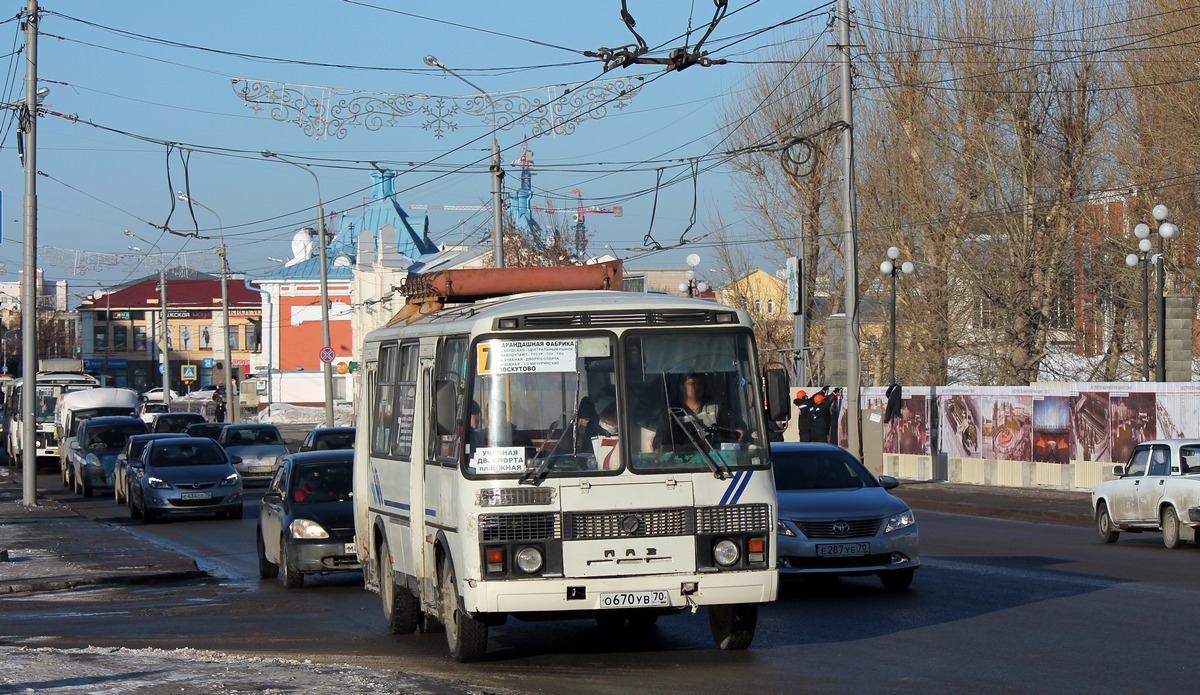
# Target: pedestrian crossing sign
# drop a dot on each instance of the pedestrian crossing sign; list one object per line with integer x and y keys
{"x": 187, "y": 372}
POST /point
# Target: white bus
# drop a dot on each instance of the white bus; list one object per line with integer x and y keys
{"x": 54, "y": 379}
{"x": 485, "y": 487}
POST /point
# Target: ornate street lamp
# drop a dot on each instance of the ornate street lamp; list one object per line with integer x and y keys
{"x": 692, "y": 286}
{"x": 1144, "y": 259}
{"x": 1166, "y": 230}
{"x": 889, "y": 267}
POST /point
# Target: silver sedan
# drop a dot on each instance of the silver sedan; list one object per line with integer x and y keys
{"x": 836, "y": 518}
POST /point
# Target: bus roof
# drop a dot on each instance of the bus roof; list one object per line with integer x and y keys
{"x": 563, "y": 309}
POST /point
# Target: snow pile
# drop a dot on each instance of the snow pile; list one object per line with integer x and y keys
{"x": 287, "y": 414}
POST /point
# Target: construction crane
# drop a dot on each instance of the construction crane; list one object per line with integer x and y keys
{"x": 581, "y": 213}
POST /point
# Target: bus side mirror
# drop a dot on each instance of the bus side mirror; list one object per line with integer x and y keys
{"x": 447, "y": 408}
{"x": 778, "y": 392}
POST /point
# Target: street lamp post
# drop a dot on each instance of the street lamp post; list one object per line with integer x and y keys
{"x": 891, "y": 268}
{"x": 496, "y": 170}
{"x": 325, "y": 336}
{"x": 165, "y": 343}
{"x": 235, "y": 400}
{"x": 1144, "y": 259}
{"x": 692, "y": 286}
{"x": 1166, "y": 230}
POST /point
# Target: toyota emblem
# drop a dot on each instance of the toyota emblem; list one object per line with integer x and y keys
{"x": 841, "y": 528}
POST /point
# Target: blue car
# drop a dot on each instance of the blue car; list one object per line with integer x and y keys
{"x": 836, "y": 518}
{"x": 93, "y": 453}
{"x": 184, "y": 475}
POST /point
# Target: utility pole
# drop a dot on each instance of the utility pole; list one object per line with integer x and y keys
{"x": 29, "y": 281}
{"x": 234, "y": 401}
{"x": 165, "y": 338}
{"x": 849, "y": 242}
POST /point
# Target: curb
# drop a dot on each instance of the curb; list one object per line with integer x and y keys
{"x": 125, "y": 579}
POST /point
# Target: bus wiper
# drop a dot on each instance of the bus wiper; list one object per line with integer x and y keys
{"x": 534, "y": 476}
{"x": 700, "y": 445}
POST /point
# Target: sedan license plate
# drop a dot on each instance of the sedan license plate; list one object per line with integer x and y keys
{"x": 635, "y": 599}
{"x": 195, "y": 495}
{"x": 844, "y": 549}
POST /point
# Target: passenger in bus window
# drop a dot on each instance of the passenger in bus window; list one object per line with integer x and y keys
{"x": 607, "y": 409}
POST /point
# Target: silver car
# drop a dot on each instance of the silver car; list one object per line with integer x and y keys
{"x": 836, "y": 518}
{"x": 254, "y": 448}
{"x": 184, "y": 475}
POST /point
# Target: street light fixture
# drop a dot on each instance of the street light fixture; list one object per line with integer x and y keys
{"x": 1166, "y": 230}
{"x": 1144, "y": 259}
{"x": 496, "y": 170}
{"x": 234, "y": 399}
{"x": 890, "y": 267}
{"x": 692, "y": 286}
{"x": 325, "y": 335}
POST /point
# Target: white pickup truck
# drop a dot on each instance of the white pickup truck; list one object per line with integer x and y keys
{"x": 1158, "y": 490}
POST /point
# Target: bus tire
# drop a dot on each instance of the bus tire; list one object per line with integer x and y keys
{"x": 733, "y": 625}
{"x": 401, "y": 610}
{"x": 465, "y": 636}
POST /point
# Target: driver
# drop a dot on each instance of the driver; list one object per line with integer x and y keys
{"x": 695, "y": 416}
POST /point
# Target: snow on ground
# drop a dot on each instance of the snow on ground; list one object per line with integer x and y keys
{"x": 193, "y": 672}
{"x": 287, "y": 414}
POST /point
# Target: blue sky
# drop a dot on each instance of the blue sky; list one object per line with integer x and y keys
{"x": 139, "y": 90}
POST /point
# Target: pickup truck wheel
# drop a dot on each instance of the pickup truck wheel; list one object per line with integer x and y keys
{"x": 1170, "y": 529}
{"x": 1104, "y": 525}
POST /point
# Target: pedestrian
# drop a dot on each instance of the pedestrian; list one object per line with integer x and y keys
{"x": 219, "y": 408}
{"x": 802, "y": 403}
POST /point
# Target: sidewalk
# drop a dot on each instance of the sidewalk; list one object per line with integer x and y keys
{"x": 50, "y": 547}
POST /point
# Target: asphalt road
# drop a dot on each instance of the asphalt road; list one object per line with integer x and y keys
{"x": 1000, "y": 606}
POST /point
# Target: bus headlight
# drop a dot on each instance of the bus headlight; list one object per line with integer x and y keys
{"x": 530, "y": 559}
{"x": 726, "y": 552}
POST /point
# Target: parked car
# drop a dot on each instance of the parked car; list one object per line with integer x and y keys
{"x": 95, "y": 447}
{"x": 175, "y": 422}
{"x": 148, "y": 409}
{"x": 254, "y": 448}
{"x": 205, "y": 392}
{"x": 156, "y": 394}
{"x": 836, "y": 518}
{"x": 321, "y": 438}
{"x": 1158, "y": 489}
{"x": 212, "y": 430}
{"x": 134, "y": 447}
{"x": 184, "y": 475}
{"x": 306, "y": 519}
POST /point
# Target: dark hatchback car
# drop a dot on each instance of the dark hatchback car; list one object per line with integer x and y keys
{"x": 321, "y": 438}
{"x": 175, "y": 422}
{"x": 306, "y": 520}
{"x": 212, "y": 430}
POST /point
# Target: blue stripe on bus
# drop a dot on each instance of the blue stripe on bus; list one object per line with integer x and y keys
{"x": 742, "y": 487}
{"x": 397, "y": 505}
{"x": 732, "y": 484}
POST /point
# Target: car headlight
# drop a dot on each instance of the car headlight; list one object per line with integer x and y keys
{"x": 899, "y": 521}
{"x": 726, "y": 552}
{"x": 231, "y": 479}
{"x": 157, "y": 483}
{"x": 307, "y": 528}
{"x": 91, "y": 460}
{"x": 529, "y": 559}
{"x": 784, "y": 530}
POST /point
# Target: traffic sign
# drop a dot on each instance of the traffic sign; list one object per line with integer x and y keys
{"x": 342, "y": 367}
{"x": 187, "y": 372}
{"x": 328, "y": 355}
{"x": 162, "y": 368}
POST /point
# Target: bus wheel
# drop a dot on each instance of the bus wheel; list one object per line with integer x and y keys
{"x": 401, "y": 610}
{"x": 733, "y": 625}
{"x": 466, "y": 636}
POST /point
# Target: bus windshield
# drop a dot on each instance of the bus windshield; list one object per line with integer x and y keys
{"x": 544, "y": 407}
{"x": 691, "y": 401}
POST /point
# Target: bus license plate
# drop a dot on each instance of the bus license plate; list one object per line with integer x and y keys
{"x": 196, "y": 495}
{"x": 844, "y": 549}
{"x": 635, "y": 599}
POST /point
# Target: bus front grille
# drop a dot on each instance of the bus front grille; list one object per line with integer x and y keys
{"x": 518, "y": 527}
{"x": 640, "y": 523}
{"x": 735, "y": 518}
